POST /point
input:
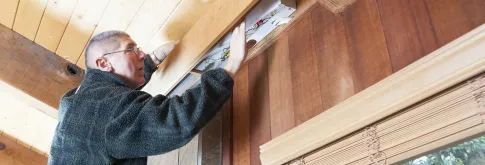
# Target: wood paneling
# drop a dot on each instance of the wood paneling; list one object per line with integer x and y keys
{"x": 408, "y": 30}
{"x": 7, "y": 12}
{"x": 324, "y": 58}
{"x": 241, "y": 119}
{"x": 54, "y": 22}
{"x": 187, "y": 13}
{"x": 304, "y": 71}
{"x": 335, "y": 70}
{"x": 81, "y": 26}
{"x": 24, "y": 122}
{"x": 151, "y": 17}
{"x": 280, "y": 85}
{"x": 210, "y": 141}
{"x": 453, "y": 18}
{"x": 227, "y": 138}
{"x": 16, "y": 154}
{"x": 260, "y": 131}
{"x": 367, "y": 45}
{"x": 34, "y": 69}
{"x": 65, "y": 26}
{"x": 28, "y": 17}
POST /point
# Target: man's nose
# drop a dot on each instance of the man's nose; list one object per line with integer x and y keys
{"x": 142, "y": 55}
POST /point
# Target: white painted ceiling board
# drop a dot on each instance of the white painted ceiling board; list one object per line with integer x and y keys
{"x": 84, "y": 20}
{"x": 28, "y": 17}
{"x": 7, "y": 12}
{"x": 54, "y": 22}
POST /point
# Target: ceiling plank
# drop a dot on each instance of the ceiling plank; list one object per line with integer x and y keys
{"x": 187, "y": 13}
{"x": 118, "y": 16}
{"x": 201, "y": 37}
{"x": 54, "y": 22}
{"x": 34, "y": 70}
{"x": 25, "y": 123}
{"x": 18, "y": 154}
{"x": 152, "y": 15}
{"x": 7, "y": 12}
{"x": 29, "y": 15}
{"x": 81, "y": 26}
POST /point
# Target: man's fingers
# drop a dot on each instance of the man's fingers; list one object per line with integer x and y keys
{"x": 243, "y": 26}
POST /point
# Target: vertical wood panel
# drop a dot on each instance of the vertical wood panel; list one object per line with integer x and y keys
{"x": 27, "y": 19}
{"x": 54, "y": 23}
{"x": 304, "y": 71}
{"x": 210, "y": 142}
{"x": 335, "y": 71}
{"x": 16, "y": 154}
{"x": 227, "y": 138}
{"x": 453, "y": 18}
{"x": 408, "y": 30}
{"x": 83, "y": 21}
{"x": 7, "y": 12}
{"x": 260, "y": 130}
{"x": 367, "y": 46}
{"x": 280, "y": 87}
{"x": 241, "y": 118}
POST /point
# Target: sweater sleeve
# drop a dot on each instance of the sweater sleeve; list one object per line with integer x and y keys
{"x": 155, "y": 125}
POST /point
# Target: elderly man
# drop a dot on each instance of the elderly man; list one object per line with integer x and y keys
{"x": 107, "y": 120}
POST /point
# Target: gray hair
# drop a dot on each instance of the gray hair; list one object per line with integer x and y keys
{"x": 102, "y": 43}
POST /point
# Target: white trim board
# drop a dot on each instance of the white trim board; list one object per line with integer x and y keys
{"x": 443, "y": 68}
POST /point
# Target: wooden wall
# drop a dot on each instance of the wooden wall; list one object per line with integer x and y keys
{"x": 325, "y": 58}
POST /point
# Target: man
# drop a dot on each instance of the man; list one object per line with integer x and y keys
{"x": 107, "y": 120}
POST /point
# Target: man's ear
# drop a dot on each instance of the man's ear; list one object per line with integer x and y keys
{"x": 103, "y": 64}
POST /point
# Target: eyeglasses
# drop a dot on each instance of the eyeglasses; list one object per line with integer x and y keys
{"x": 135, "y": 50}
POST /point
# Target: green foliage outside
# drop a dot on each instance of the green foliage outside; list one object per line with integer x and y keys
{"x": 468, "y": 153}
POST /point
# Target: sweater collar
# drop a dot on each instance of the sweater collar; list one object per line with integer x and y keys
{"x": 95, "y": 75}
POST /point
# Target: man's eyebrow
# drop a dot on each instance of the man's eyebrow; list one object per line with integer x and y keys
{"x": 130, "y": 45}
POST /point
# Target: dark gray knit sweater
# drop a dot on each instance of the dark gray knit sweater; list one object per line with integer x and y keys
{"x": 106, "y": 122}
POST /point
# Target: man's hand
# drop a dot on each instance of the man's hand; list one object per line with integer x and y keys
{"x": 162, "y": 52}
{"x": 237, "y": 50}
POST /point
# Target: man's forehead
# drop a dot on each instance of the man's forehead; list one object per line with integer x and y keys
{"x": 127, "y": 42}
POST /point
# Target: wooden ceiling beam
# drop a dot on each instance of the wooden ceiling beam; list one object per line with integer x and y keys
{"x": 35, "y": 70}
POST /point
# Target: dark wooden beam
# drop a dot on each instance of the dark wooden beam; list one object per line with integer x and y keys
{"x": 35, "y": 70}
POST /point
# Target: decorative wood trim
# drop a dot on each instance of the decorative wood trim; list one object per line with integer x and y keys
{"x": 417, "y": 128}
{"x": 442, "y": 69}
